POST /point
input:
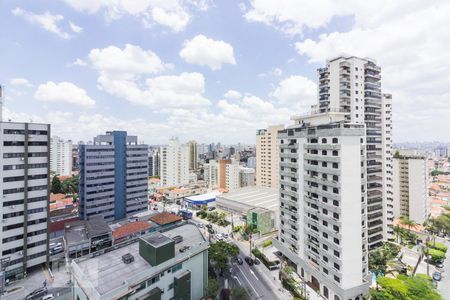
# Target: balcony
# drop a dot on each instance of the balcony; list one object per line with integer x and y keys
{"x": 327, "y": 158}
{"x": 288, "y": 164}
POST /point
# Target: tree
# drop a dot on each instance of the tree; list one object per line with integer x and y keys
{"x": 378, "y": 262}
{"x": 398, "y": 231}
{"x": 407, "y": 222}
{"x": 213, "y": 287}
{"x": 405, "y": 288}
{"x": 70, "y": 185}
{"x": 240, "y": 293}
{"x": 220, "y": 252}
{"x": 56, "y": 185}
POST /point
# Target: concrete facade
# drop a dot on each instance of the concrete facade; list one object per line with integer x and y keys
{"x": 174, "y": 164}
{"x": 60, "y": 156}
{"x": 267, "y": 156}
{"x": 113, "y": 177}
{"x": 24, "y": 195}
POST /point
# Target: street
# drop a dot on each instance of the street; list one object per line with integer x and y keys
{"x": 444, "y": 285}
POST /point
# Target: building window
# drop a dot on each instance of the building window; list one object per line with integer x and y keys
{"x": 324, "y": 141}
{"x": 337, "y": 279}
{"x": 335, "y": 140}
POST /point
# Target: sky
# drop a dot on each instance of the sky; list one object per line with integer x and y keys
{"x": 214, "y": 70}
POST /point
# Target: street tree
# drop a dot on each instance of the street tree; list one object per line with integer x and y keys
{"x": 56, "y": 187}
{"x": 220, "y": 252}
{"x": 240, "y": 293}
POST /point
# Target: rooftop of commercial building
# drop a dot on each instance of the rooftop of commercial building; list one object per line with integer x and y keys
{"x": 81, "y": 231}
{"x": 107, "y": 272}
{"x": 130, "y": 228}
{"x": 165, "y": 218}
{"x": 251, "y": 197}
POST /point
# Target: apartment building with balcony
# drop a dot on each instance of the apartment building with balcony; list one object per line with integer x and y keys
{"x": 323, "y": 204}
{"x": 353, "y": 85}
{"x": 113, "y": 176}
{"x": 24, "y": 196}
{"x": 174, "y": 164}
{"x": 267, "y": 156}
{"x": 60, "y": 156}
{"x": 410, "y": 186}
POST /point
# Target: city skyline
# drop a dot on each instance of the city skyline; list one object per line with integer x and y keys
{"x": 189, "y": 68}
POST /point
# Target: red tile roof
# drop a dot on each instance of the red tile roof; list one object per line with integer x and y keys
{"x": 130, "y": 228}
{"x": 56, "y": 197}
{"x": 165, "y": 218}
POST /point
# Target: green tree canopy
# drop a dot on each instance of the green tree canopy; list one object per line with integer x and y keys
{"x": 56, "y": 187}
{"x": 239, "y": 293}
{"x": 405, "y": 288}
{"x": 220, "y": 252}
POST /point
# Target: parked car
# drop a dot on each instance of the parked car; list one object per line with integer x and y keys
{"x": 225, "y": 235}
{"x": 257, "y": 261}
{"x": 37, "y": 294}
{"x": 249, "y": 260}
{"x": 208, "y": 226}
{"x": 437, "y": 276}
{"x": 239, "y": 260}
{"x": 219, "y": 237}
{"x": 211, "y": 208}
{"x": 439, "y": 264}
{"x": 211, "y": 231}
{"x": 48, "y": 297}
{"x": 201, "y": 225}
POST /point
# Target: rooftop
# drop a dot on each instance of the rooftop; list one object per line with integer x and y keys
{"x": 251, "y": 197}
{"x": 108, "y": 272}
{"x": 165, "y": 218}
{"x": 130, "y": 228}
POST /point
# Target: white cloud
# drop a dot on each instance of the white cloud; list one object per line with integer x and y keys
{"x": 174, "y": 14}
{"x": 232, "y": 94}
{"x": 75, "y": 28}
{"x": 20, "y": 82}
{"x": 204, "y": 51}
{"x": 63, "y": 92}
{"x": 296, "y": 90}
{"x": 128, "y": 63}
{"x": 47, "y": 21}
{"x": 79, "y": 62}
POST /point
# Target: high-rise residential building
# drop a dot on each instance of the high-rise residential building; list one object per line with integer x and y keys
{"x": 24, "y": 196}
{"x": 193, "y": 155}
{"x": 61, "y": 156}
{"x": 353, "y": 85}
{"x": 246, "y": 177}
{"x": 267, "y": 156}
{"x": 211, "y": 174}
{"x": 232, "y": 176}
{"x": 174, "y": 170}
{"x": 323, "y": 204}
{"x": 410, "y": 186}
{"x": 223, "y": 172}
{"x": 113, "y": 176}
{"x": 154, "y": 161}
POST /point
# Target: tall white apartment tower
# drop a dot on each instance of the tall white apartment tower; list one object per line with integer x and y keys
{"x": 353, "y": 85}
{"x": 24, "y": 195}
{"x": 267, "y": 156}
{"x": 174, "y": 164}
{"x": 323, "y": 204}
{"x": 410, "y": 186}
{"x": 232, "y": 176}
{"x": 60, "y": 156}
{"x": 211, "y": 174}
{"x": 193, "y": 155}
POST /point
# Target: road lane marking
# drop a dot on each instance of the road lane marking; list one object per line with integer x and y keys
{"x": 257, "y": 295}
{"x": 253, "y": 273}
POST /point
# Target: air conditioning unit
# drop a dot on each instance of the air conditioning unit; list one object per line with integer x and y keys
{"x": 13, "y": 206}
{"x": 22, "y": 159}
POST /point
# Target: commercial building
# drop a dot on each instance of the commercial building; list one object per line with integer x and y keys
{"x": 24, "y": 196}
{"x": 113, "y": 176}
{"x": 353, "y": 85}
{"x": 410, "y": 186}
{"x": 61, "y": 156}
{"x": 323, "y": 204}
{"x": 245, "y": 202}
{"x": 174, "y": 164}
{"x": 232, "y": 176}
{"x": 267, "y": 157}
{"x": 193, "y": 155}
{"x": 223, "y": 172}
{"x": 168, "y": 265}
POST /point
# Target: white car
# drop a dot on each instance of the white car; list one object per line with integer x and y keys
{"x": 48, "y": 297}
{"x": 219, "y": 236}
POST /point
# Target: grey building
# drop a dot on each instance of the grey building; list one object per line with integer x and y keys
{"x": 154, "y": 161}
{"x": 113, "y": 176}
{"x": 24, "y": 194}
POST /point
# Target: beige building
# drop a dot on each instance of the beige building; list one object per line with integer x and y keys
{"x": 410, "y": 186}
{"x": 193, "y": 155}
{"x": 267, "y": 156}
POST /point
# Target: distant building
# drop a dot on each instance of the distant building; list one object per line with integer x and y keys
{"x": 193, "y": 155}
{"x": 211, "y": 174}
{"x": 410, "y": 186}
{"x": 251, "y": 162}
{"x": 246, "y": 176}
{"x": 267, "y": 156}
{"x": 223, "y": 172}
{"x": 154, "y": 162}
{"x": 174, "y": 164}
{"x": 113, "y": 177}
{"x": 24, "y": 196}
{"x": 60, "y": 156}
{"x": 232, "y": 178}
{"x": 169, "y": 265}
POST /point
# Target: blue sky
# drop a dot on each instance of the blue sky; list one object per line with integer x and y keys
{"x": 165, "y": 68}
